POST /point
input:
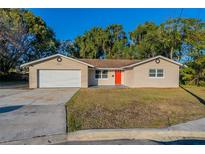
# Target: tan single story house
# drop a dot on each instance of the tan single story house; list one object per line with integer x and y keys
{"x": 62, "y": 71}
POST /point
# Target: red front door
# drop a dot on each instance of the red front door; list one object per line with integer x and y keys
{"x": 117, "y": 77}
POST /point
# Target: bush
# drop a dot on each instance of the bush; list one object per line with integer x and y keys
{"x": 202, "y": 83}
{"x": 186, "y": 75}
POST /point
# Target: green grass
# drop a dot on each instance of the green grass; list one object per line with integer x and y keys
{"x": 133, "y": 108}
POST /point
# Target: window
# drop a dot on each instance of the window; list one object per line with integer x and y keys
{"x": 156, "y": 73}
{"x": 104, "y": 74}
{"x": 152, "y": 72}
{"x": 97, "y": 74}
{"x": 101, "y": 74}
{"x": 160, "y": 73}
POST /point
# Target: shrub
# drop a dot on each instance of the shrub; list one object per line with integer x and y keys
{"x": 202, "y": 83}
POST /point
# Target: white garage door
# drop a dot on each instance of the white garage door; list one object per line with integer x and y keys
{"x": 59, "y": 78}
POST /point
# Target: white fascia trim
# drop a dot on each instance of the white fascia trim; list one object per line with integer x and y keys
{"x": 170, "y": 60}
{"x": 150, "y": 59}
{"x": 52, "y": 56}
{"x": 97, "y": 68}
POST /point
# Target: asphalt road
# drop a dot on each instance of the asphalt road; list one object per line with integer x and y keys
{"x": 137, "y": 142}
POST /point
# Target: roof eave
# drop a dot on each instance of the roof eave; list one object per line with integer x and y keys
{"x": 52, "y": 56}
{"x": 107, "y": 68}
{"x": 150, "y": 59}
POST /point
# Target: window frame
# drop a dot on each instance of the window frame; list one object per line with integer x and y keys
{"x": 162, "y": 73}
{"x": 101, "y": 74}
{"x": 98, "y": 74}
{"x": 156, "y": 73}
{"x": 104, "y": 74}
{"x": 152, "y": 73}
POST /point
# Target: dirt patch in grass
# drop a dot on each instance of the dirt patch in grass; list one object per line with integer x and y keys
{"x": 131, "y": 108}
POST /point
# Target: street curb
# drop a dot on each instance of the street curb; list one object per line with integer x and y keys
{"x": 111, "y": 134}
{"x": 137, "y": 134}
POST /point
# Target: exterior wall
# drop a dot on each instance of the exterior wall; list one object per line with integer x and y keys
{"x": 53, "y": 64}
{"x": 128, "y": 77}
{"x": 94, "y": 82}
{"x": 139, "y": 75}
{"x": 122, "y": 78}
{"x": 133, "y": 77}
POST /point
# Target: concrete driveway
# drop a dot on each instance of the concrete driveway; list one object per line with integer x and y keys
{"x": 28, "y": 113}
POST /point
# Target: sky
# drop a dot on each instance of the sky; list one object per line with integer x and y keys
{"x": 69, "y": 23}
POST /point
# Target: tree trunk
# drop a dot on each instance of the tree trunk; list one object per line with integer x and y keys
{"x": 197, "y": 80}
{"x": 171, "y": 53}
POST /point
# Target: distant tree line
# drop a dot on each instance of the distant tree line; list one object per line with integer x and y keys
{"x": 25, "y": 37}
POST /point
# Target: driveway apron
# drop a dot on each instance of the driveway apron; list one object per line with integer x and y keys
{"x": 28, "y": 113}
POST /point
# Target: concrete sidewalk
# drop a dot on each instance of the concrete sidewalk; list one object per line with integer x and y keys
{"x": 195, "y": 125}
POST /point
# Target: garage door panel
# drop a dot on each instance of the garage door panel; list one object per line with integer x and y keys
{"x": 59, "y": 78}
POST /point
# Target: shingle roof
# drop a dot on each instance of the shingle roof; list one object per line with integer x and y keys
{"x": 104, "y": 63}
{"x": 109, "y": 63}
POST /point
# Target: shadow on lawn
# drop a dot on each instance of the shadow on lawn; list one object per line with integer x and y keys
{"x": 9, "y": 108}
{"x": 201, "y": 100}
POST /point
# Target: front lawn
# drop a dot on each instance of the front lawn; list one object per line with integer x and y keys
{"x": 199, "y": 91}
{"x": 132, "y": 108}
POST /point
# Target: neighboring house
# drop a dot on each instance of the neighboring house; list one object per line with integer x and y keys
{"x": 61, "y": 71}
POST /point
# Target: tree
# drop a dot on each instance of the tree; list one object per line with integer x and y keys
{"x": 92, "y": 43}
{"x": 199, "y": 67}
{"x": 102, "y": 43}
{"x": 183, "y": 36}
{"x": 141, "y": 31}
{"x": 67, "y": 48}
{"x": 194, "y": 32}
{"x": 195, "y": 72}
{"x": 146, "y": 40}
{"x": 117, "y": 41}
{"x": 171, "y": 38}
{"x": 150, "y": 46}
{"x": 174, "y": 38}
{"x": 14, "y": 39}
{"x": 23, "y": 37}
{"x": 187, "y": 75}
